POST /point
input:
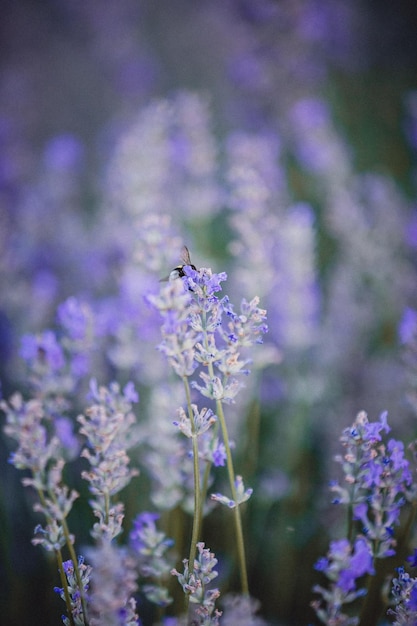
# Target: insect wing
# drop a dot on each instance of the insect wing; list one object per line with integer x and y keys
{"x": 185, "y": 256}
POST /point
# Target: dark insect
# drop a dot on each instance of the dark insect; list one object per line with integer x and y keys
{"x": 178, "y": 272}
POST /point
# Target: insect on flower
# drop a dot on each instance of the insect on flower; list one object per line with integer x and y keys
{"x": 178, "y": 272}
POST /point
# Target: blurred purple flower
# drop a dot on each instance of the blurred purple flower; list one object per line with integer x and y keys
{"x": 64, "y": 430}
{"x": 407, "y": 328}
{"x": 44, "y": 348}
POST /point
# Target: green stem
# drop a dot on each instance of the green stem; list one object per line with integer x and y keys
{"x": 70, "y": 547}
{"x": 64, "y": 584}
{"x": 237, "y": 517}
{"x": 76, "y": 568}
{"x": 197, "y": 491}
{"x": 204, "y": 488}
{"x": 231, "y": 473}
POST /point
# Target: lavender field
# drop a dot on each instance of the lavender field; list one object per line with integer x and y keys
{"x": 208, "y": 313}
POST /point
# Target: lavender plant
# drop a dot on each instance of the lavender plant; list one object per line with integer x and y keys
{"x": 201, "y": 330}
{"x": 378, "y": 485}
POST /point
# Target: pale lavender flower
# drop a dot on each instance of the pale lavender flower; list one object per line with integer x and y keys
{"x": 179, "y": 338}
{"x": 203, "y": 420}
{"x": 318, "y": 147}
{"x": 149, "y": 547}
{"x": 275, "y": 243}
{"x": 112, "y": 583}
{"x": 169, "y": 146}
{"x": 195, "y": 585}
{"x": 256, "y": 189}
{"x": 75, "y": 318}
{"x": 166, "y": 458}
{"x": 43, "y": 349}
{"x": 51, "y": 536}
{"x": 242, "y": 495}
{"x": 107, "y": 425}
{"x": 58, "y": 360}
{"x": 240, "y": 610}
{"x": 25, "y": 422}
{"x": 43, "y": 454}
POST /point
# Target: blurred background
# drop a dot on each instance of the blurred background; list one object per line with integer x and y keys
{"x": 277, "y": 139}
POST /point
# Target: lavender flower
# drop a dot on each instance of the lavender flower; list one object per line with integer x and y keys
{"x": 57, "y": 361}
{"x": 225, "y": 334}
{"x": 179, "y": 338}
{"x": 149, "y": 547}
{"x": 166, "y": 456}
{"x": 194, "y": 583}
{"x": 72, "y": 588}
{"x": 242, "y": 495}
{"x": 343, "y": 565}
{"x": 404, "y": 593}
{"x": 107, "y": 425}
{"x": 42, "y": 454}
{"x": 240, "y": 610}
{"x": 203, "y": 420}
{"x": 79, "y": 326}
{"x": 113, "y": 581}
{"x": 378, "y": 478}
{"x": 191, "y": 310}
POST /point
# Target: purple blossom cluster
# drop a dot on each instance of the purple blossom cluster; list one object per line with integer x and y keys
{"x": 404, "y": 592}
{"x": 377, "y": 479}
{"x": 199, "y": 328}
{"x": 343, "y": 566}
{"x": 71, "y": 589}
{"x": 377, "y": 485}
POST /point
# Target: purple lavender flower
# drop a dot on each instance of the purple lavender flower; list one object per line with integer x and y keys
{"x": 84, "y": 570}
{"x": 149, "y": 547}
{"x": 179, "y": 338}
{"x": 43, "y": 349}
{"x": 404, "y": 593}
{"x": 378, "y": 478}
{"x": 343, "y": 566}
{"x": 193, "y": 323}
{"x": 217, "y": 453}
{"x": 74, "y": 318}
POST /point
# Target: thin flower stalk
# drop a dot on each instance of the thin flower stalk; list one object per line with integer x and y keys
{"x": 198, "y": 508}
